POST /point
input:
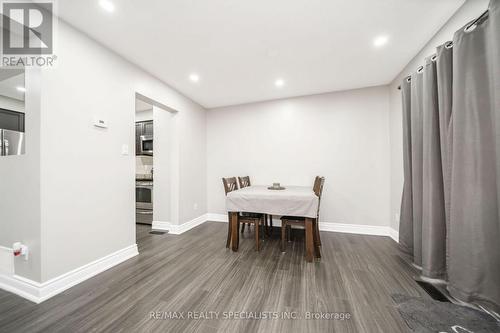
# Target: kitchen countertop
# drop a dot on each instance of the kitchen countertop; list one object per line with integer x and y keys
{"x": 143, "y": 176}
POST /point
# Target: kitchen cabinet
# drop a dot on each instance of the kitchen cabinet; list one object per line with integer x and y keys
{"x": 11, "y": 120}
{"x": 142, "y": 128}
{"x": 138, "y": 133}
{"x": 147, "y": 128}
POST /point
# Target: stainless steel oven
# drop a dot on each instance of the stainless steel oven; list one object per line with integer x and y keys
{"x": 144, "y": 201}
{"x": 146, "y": 145}
{"x": 144, "y": 194}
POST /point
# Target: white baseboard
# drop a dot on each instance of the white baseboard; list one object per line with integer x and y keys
{"x": 433, "y": 281}
{"x": 161, "y": 225}
{"x": 359, "y": 229}
{"x": 6, "y": 261}
{"x": 394, "y": 234}
{"x": 177, "y": 229}
{"x": 38, "y": 292}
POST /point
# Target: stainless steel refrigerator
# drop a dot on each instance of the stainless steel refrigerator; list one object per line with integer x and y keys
{"x": 11, "y": 143}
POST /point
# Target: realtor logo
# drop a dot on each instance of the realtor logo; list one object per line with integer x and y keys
{"x": 27, "y": 28}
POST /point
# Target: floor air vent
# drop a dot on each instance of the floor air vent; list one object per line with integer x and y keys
{"x": 433, "y": 291}
{"x": 157, "y": 232}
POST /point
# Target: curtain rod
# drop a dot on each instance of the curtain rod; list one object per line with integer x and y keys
{"x": 467, "y": 28}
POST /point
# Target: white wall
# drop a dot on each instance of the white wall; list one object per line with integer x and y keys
{"x": 469, "y": 11}
{"x": 343, "y": 136}
{"x": 166, "y": 166}
{"x": 6, "y": 261}
{"x": 73, "y": 199}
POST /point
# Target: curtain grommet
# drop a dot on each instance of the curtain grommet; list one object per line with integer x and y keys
{"x": 470, "y": 28}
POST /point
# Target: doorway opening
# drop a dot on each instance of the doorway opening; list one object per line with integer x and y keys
{"x": 157, "y": 164}
{"x": 144, "y": 170}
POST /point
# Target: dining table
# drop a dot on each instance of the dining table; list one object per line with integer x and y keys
{"x": 300, "y": 201}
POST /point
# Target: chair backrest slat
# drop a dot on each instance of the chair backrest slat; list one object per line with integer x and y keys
{"x": 319, "y": 183}
{"x": 244, "y": 181}
{"x": 230, "y": 184}
{"x": 318, "y": 186}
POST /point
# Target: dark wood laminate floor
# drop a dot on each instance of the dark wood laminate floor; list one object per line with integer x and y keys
{"x": 195, "y": 272}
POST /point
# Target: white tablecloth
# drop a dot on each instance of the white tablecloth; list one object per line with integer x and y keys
{"x": 293, "y": 200}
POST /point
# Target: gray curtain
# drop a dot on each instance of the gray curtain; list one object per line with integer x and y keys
{"x": 474, "y": 233}
{"x": 433, "y": 209}
{"x": 416, "y": 103}
{"x": 444, "y": 67}
{"x": 451, "y": 142}
{"x": 406, "y": 213}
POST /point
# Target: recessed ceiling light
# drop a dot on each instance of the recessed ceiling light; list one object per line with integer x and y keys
{"x": 279, "y": 83}
{"x": 380, "y": 40}
{"x": 107, "y": 5}
{"x": 194, "y": 77}
{"x": 21, "y": 89}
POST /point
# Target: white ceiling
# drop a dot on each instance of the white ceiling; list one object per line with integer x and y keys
{"x": 239, "y": 48}
{"x": 10, "y": 79}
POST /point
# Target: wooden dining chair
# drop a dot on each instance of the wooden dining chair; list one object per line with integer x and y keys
{"x": 245, "y": 182}
{"x": 230, "y": 185}
{"x": 288, "y": 221}
{"x": 318, "y": 188}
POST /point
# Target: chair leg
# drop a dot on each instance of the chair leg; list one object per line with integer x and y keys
{"x": 257, "y": 236}
{"x": 262, "y": 223}
{"x": 268, "y": 232}
{"x": 316, "y": 230}
{"x": 243, "y": 227}
{"x": 289, "y": 232}
{"x": 269, "y": 227}
{"x": 316, "y": 241}
{"x": 283, "y": 236}
{"x": 229, "y": 229}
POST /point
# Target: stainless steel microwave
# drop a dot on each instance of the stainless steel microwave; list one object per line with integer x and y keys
{"x": 146, "y": 145}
